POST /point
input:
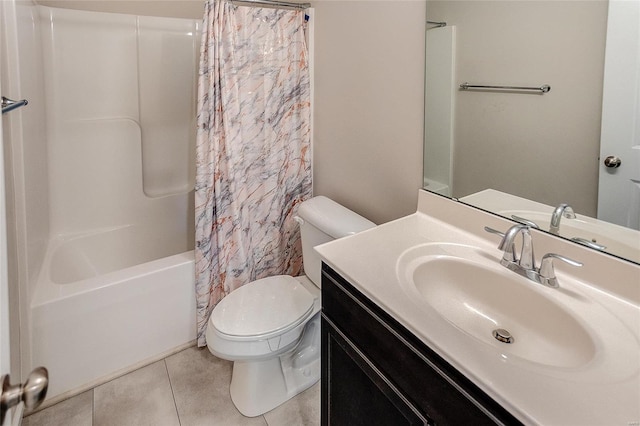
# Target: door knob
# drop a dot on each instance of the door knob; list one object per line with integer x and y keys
{"x": 612, "y": 161}
{"x": 32, "y": 393}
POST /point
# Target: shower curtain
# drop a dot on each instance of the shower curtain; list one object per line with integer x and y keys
{"x": 253, "y": 159}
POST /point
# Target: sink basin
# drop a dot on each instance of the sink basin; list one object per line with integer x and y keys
{"x": 466, "y": 294}
{"x": 479, "y": 300}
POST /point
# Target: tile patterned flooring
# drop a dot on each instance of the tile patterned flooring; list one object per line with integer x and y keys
{"x": 189, "y": 388}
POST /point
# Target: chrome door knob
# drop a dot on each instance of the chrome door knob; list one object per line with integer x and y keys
{"x": 612, "y": 162}
{"x": 32, "y": 393}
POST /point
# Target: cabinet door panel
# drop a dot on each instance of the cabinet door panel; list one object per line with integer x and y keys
{"x": 356, "y": 392}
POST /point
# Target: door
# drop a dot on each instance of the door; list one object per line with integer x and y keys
{"x": 5, "y": 350}
{"x": 15, "y": 396}
{"x": 619, "y": 182}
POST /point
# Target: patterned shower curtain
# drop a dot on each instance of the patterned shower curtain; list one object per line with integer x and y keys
{"x": 253, "y": 159}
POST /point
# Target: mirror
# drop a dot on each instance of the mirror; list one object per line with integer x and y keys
{"x": 520, "y": 152}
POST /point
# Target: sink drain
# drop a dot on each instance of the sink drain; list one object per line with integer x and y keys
{"x": 502, "y": 335}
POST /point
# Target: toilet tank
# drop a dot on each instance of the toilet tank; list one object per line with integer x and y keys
{"x": 323, "y": 220}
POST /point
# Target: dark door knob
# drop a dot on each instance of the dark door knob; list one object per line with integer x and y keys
{"x": 612, "y": 161}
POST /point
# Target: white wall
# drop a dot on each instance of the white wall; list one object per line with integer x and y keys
{"x": 540, "y": 147}
{"x": 369, "y": 105}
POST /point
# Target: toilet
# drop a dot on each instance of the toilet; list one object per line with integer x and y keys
{"x": 270, "y": 328}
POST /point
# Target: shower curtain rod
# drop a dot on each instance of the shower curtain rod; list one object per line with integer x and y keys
{"x": 273, "y": 3}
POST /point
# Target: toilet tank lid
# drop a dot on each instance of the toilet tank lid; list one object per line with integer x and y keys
{"x": 332, "y": 218}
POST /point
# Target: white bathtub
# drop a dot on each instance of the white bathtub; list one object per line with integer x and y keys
{"x": 115, "y": 286}
{"x": 104, "y": 171}
{"x": 95, "y": 314}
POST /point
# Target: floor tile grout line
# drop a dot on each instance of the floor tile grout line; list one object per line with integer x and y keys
{"x": 173, "y": 395}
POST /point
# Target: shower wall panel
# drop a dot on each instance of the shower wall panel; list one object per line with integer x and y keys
{"x": 120, "y": 100}
{"x": 440, "y": 92}
{"x": 167, "y": 81}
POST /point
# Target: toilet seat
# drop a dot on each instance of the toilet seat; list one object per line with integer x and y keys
{"x": 263, "y": 309}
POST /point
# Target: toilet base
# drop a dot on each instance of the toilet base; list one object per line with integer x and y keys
{"x": 260, "y": 386}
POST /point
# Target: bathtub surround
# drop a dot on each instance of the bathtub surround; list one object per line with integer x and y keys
{"x": 253, "y": 159}
{"x": 120, "y": 172}
{"x": 106, "y": 275}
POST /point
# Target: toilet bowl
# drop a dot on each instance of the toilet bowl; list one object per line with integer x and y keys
{"x": 270, "y": 327}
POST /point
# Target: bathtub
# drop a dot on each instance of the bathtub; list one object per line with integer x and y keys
{"x": 112, "y": 286}
{"x": 104, "y": 306}
{"x": 103, "y": 172}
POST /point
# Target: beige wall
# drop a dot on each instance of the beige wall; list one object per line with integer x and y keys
{"x": 541, "y": 147}
{"x": 369, "y": 105}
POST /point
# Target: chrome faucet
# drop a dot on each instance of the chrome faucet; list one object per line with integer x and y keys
{"x": 525, "y": 265}
{"x": 527, "y": 259}
{"x": 562, "y": 210}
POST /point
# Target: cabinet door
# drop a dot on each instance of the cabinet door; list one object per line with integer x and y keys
{"x": 354, "y": 391}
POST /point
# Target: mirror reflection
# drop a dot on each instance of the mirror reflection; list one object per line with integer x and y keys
{"x": 523, "y": 153}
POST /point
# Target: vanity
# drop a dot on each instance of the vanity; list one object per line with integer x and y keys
{"x": 422, "y": 324}
{"x": 374, "y": 379}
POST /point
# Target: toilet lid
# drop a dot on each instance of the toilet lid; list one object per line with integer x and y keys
{"x": 263, "y": 308}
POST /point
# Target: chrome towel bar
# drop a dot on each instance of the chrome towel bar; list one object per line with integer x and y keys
{"x": 542, "y": 89}
{"x": 437, "y": 24}
{"x": 9, "y": 104}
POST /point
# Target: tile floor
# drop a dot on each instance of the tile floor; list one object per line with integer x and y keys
{"x": 189, "y": 388}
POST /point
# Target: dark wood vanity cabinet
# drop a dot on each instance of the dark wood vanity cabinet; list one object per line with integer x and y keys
{"x": 375, "y": 372}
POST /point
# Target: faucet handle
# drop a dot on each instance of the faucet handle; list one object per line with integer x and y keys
{"x": 512, "y": 251}
{"x": 588, "y": 243}
{"x": 547, "y": 272}
{"x": 494, "y": 231}
{"x": 524, "y": 221}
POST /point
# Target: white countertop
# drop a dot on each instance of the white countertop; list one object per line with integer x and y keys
{"x": 605, "y": 391}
